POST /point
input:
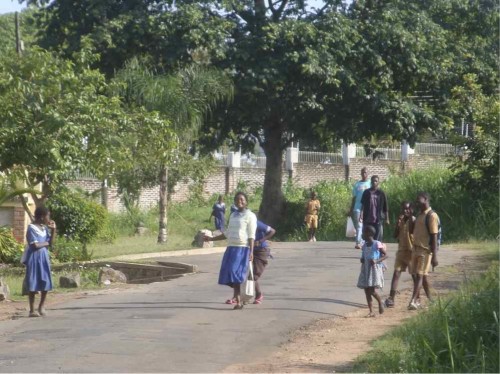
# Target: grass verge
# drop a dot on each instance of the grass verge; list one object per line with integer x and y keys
{"x": 459, "y": 333}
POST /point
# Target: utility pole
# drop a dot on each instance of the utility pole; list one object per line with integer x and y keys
{"x": 19, "y": 42}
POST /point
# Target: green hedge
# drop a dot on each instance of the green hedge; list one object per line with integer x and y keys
{"x": 462, "y": 216}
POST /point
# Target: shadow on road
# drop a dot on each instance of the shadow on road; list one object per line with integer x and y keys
{"x": 171, "y": 305}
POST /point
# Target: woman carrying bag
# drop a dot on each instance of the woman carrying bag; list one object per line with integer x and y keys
{"x": 240, "y": 235}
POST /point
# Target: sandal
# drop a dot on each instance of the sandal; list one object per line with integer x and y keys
{"x": 34, "y": 314}
{"x": 42, "y": 312}
{"x": 238, "y": 307}
{"x": 231, "y": 301}
{"x": 370, "y": 315}
{"x": 258, "y": 300}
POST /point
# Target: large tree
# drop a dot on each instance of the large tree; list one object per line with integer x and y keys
{"x": 56, "y": 119}
{"x": 339, "y": 72}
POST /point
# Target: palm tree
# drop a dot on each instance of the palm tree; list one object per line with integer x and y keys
{"x": 185, "y": 97}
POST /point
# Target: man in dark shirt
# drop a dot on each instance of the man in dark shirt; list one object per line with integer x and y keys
{"x": 374, "y": 208}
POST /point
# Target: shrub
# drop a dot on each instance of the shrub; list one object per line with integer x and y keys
{"x": 10, "y": 249}
{"x": 77, "y": 218}
{"x": 67, "y": 250}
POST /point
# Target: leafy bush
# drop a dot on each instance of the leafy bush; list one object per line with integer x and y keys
{"x": 77, "y": 218}
{"x": 67, "y": 250}
{"x": 459, "y": 334}
{"x": 10, "y": 249}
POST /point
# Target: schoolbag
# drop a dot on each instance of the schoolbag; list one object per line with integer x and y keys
{"x": 440, "y": 231}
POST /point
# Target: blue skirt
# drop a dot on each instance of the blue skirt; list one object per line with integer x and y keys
{"x": 234, "y": 265}
{"x": 38, "y": 276}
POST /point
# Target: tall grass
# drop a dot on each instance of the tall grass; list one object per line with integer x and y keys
{"x": 458, "y": 334}
{"x": 463, "y": 217}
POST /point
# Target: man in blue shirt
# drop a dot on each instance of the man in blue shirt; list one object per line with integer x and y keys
{"x": 357, "y": 192}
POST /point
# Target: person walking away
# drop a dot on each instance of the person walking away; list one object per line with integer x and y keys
{"x": 240, "y": 235}
{"x": 261, "y": 254}
{"x": 374, "y": 208}
{"x": 425, "y": 237}
{"x": 402, "y": 232}
{"x": 219, "y": 214}
{"x": 311, "y": 218}
{"x": 371, "y": 275}
{"x": 40, "y": 235}
{"x": 357, "y": 192}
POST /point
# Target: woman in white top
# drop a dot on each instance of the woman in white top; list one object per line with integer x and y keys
{"x": 240, "y": 235}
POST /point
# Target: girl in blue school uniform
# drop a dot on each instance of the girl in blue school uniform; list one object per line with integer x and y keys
{"x": 219, "y": 214}
{"x": 240, "y": 235}
{"x": 39, "y": 237}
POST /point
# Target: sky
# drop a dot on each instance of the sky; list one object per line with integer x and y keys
{"x": 9, "y": 6}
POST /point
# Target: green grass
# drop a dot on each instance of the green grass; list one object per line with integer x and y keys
{"x": 459, "y": 333}
{"x": 14, "y": 278}
{"x": 184, "y": 221}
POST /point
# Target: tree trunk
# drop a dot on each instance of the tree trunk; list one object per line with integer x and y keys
{"x": 272, "y": 206}
{"x": 162, "y": 232}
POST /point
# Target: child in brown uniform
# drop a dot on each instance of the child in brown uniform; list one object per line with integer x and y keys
{"x": 425, "y": 239}
{"x": 402, "y": 232}
{"x": 311, "y": 218}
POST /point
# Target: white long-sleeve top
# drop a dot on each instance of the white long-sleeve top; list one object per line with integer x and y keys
{"x": 242, "y": 226}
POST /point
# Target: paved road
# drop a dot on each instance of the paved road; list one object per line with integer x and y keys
{"x": 183, "y": 325}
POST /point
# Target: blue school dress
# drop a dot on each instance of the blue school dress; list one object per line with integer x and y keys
{"x": 37, "y": 263}
{"x": 371, "y": 275}
{"x": 219, "y": 213}
{"x": 234, "y": 267}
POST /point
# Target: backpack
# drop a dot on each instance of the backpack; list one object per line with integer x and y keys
{"x": 440, "y": 231}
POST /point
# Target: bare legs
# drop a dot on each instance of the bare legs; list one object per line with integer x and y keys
{"x": 41, "y": 309}
{"x": 372, "y": 292}
{"x": 419, "y": 282}
{"x": 312, "y": 234}
{"x": 237, "y": 296}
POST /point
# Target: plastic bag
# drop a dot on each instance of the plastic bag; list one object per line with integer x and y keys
{"x": 350, "y": 230}
{"x": 248, "y": 287}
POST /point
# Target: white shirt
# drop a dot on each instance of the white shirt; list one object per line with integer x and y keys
{"x": 242, "y": 226}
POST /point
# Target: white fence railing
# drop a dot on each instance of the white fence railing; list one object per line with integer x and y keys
{"x": 381, "y": 153}
{"x": 434, "y": 149}
{"x": 319, "y": 157}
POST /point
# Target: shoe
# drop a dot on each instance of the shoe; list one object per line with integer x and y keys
{"x": 314, "y": 238}
{"x": 258, "y": 300}
{"x": 34, "y": 314}
{"x": 413, "y": 306}
{"x": 42, "y": 312}
{"x": 389, "y": 303}
{"x": 310, "y": 240}
{"x": 238, "y": 307}
{"x": 357, "y": 246}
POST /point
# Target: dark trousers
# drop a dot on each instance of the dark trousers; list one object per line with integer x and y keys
{"x": 379, "y": 230}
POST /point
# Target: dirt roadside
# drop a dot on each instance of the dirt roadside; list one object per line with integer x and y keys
{"x": 15, "y": 309}
{"x": 332, "y": 345}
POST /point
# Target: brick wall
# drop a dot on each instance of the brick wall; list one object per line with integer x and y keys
{"x": 224, "y": 180}
{"x": 20, "y": 224}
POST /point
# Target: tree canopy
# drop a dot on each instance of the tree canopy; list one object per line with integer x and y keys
{"x": 345, "y": 71}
